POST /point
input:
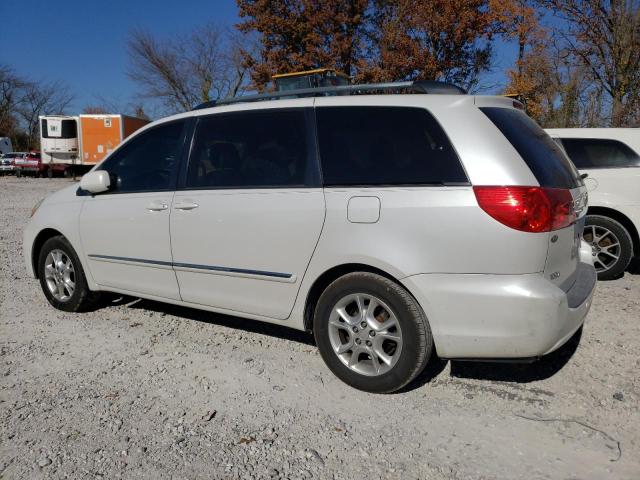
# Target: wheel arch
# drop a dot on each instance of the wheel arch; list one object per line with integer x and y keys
{"x": 324, "y": 280}
{"x": 38, "y": 242}
{"x": 623, "y": 220}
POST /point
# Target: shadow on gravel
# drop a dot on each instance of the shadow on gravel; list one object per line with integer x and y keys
{"x": 434, "y": 368}
{"x": 634, "y": 266}
{"x": 237, "y": 323}
{"x": 541, "y": 369}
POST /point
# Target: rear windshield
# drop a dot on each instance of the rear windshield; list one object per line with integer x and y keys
{"x": 600, "y": 153}
{"x": 544, "y": 157}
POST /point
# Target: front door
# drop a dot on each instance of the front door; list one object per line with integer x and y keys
{"x": 125, "y": 231}
{"x": 245, "y": 224}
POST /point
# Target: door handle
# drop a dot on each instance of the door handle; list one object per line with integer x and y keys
{"x": 157, "y": 206}
{"x": 185, "y": 205}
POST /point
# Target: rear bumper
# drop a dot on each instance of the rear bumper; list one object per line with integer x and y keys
{"x": 502, "y": 316}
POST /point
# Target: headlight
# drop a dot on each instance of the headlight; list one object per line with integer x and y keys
{"x": 36, "y": 207}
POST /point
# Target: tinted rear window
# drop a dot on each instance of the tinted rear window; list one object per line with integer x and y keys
{"x": 600, "y": 153}
{"x": 544, "y": 157}
{"x": 385, "y": 146}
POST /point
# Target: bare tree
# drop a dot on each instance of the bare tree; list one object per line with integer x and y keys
{"x": 22, "y": 100}
{"x": 41, "y": 98}
{"x": 605, "y": 37}
{"x": 180, "y": 73}
{"x": 11, "y": 86}
{"x": 118, "y": 104}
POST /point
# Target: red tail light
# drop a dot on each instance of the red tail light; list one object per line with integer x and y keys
{"x": 528, "y": 209}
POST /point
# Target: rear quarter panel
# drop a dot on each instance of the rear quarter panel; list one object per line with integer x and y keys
{"x": 425, "y": 230}
{"x": 420, "y": 230}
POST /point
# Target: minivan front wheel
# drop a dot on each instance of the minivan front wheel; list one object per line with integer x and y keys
{"x": 62, "y": 278}
{"x": 611, "y": 246}
{"x": 371, "y": 332}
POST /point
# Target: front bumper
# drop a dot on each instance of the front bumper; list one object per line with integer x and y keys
{"x": 502, "y": 316}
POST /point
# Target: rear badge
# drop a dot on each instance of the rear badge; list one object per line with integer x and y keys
{"x": 554, "y": 275}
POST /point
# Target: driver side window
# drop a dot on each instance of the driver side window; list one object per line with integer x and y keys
{"x": 148, "y": 162}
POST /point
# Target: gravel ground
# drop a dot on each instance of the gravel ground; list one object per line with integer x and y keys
{"x": 139, "y": 389}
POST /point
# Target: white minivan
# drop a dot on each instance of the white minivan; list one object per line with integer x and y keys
{"x": 610, "y": 159}
{"x": 393, "y": 226}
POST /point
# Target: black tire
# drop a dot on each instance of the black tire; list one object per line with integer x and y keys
{"x": 607, "y": 267}
{"x": 82, "y": 299}
{"x": 417, "y": 341}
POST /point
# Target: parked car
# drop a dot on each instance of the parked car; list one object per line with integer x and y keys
{"x": 392, "y": 226}
{"x": 610, "y": 157}
{"x": 30, "y": 164}
{"x": 7, "y": 162}
{"x": 58, "y": 170}
{"x": 6, "y": 165}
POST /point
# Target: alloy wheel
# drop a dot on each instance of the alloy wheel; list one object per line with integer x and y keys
{"x": 605, "y": 246}
{"x": 60, "y": 275}
{"x": 365, "y": 334}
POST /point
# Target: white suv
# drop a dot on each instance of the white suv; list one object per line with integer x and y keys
{"x": 394, "y": 226}
{"x": 611, "y": 159}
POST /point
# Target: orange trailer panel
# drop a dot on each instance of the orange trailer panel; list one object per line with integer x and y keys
{"x": 100, "y": 135}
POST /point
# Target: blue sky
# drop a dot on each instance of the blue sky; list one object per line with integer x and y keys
{"x": 83, "y": 43}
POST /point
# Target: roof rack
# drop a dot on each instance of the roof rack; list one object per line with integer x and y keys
{"x": 418, "y": 86}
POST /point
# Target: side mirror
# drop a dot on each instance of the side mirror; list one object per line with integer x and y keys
{"x": 97, "y": 181}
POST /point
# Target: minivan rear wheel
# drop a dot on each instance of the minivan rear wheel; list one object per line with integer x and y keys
{"x": 371, "y": 332}
{"x": 611, "y": 246}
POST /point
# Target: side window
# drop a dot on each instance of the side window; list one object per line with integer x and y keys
{"x": 148, "y": 162}
{"x": 600, "y": 153}
{"x": 385, "y": 146}
{"x": 253, "y": 149}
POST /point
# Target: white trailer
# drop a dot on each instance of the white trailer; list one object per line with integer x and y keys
{"x": 59, "y": 142}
